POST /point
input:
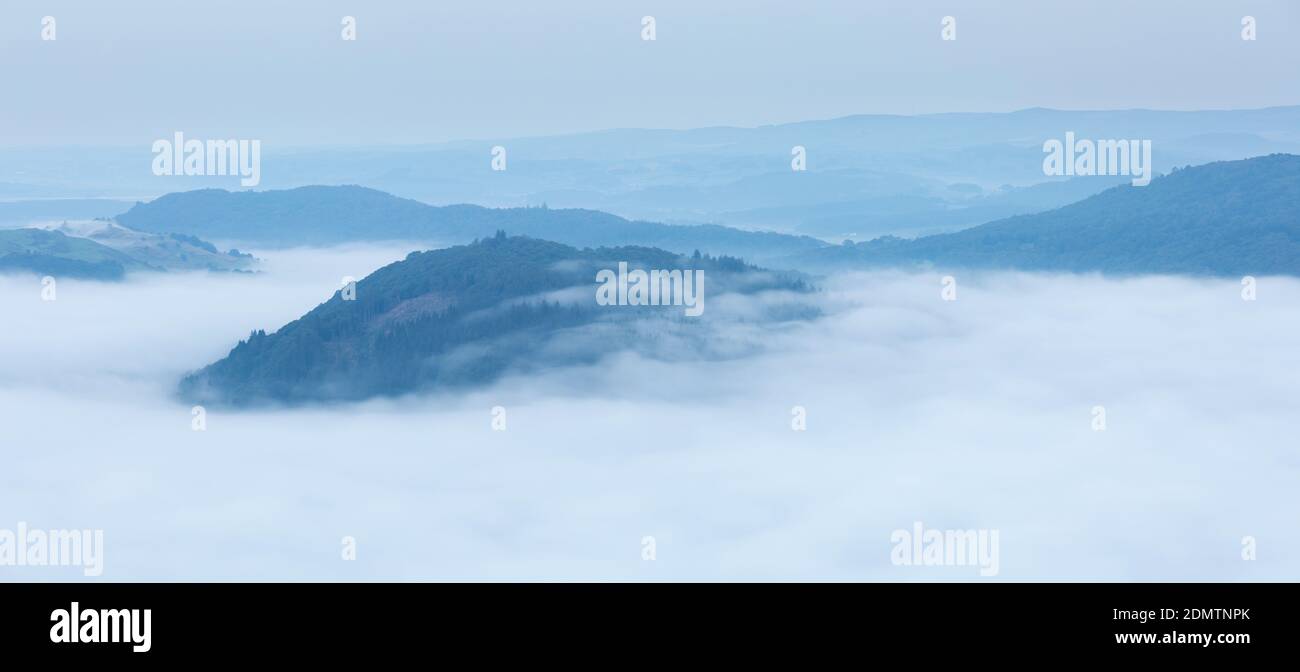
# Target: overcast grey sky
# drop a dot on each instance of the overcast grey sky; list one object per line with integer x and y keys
{"x": 424, "y": 71}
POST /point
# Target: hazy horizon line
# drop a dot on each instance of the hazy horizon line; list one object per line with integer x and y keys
{"x": 681, "y": 129}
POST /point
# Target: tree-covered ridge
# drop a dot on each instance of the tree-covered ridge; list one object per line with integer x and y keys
{"x": 450, "y": 317}
{"x": 1225, "y": 218}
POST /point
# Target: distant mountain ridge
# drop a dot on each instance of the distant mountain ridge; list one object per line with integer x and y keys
{"x": 734, "y": 176}
{"x": 1223, "y": 218}
{"x": 321, "y": 215}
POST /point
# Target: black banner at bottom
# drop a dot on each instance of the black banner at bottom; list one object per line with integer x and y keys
{"x": 497, "y": 622}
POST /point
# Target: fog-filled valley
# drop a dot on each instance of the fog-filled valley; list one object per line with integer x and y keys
{"x": 976, "y": 412}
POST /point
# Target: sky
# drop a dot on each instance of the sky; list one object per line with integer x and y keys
{"x": 976, "y": 413}
{"x": 419, "y": 72}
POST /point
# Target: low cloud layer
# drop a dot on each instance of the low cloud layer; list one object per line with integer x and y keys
{"x": 971, "y": 414}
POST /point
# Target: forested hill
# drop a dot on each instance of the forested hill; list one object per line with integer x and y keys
{"x": 1226, "y": 218}
{"x": 463, "y": 316}
{"x": 323, "y": 215}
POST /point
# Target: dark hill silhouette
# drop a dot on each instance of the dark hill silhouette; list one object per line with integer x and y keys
{"x": 1225, "y": 218}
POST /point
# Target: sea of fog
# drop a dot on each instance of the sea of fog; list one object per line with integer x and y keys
{"x": 969, "y": 414}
